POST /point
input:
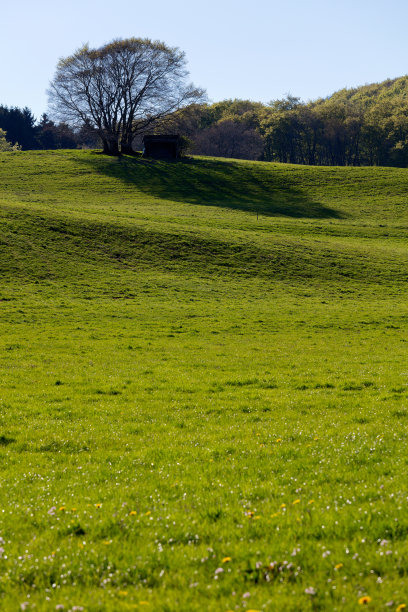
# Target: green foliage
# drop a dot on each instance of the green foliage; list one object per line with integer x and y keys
{"x": 183, "y": 383}
{"x": 7, "y": 146}
{"x": 363, "y": 126}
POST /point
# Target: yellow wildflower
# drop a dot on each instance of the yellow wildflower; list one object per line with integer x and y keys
{"x": 283, "y": 506}
{"x": 147, "y": 513}
{"x": 311, "y": 501}
{"x": 364, "y": 600}
{"x": 279, "y": 439}
{"x": 123, "y": 593}
{"x": 62, "y": 508}
{"x": 338, "y": 566}
{"x": 297, "y": 501}
{"x": 132, "y": 513}
{"x": 401, "y": 607}
{"x": 226, "y": 559}
{"x": 98, "y": 505}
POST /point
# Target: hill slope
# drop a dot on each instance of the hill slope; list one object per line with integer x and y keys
{"x": 203, "y": 384}
{"x": 272, "y": 220}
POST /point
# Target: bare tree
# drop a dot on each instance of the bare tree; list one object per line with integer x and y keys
{"x": 121, "y": 89}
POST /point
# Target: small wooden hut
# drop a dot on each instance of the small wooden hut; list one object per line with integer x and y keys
{"x": 161, "y": 146}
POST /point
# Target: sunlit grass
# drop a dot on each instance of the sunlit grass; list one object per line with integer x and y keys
{"x": 202, "y": 410}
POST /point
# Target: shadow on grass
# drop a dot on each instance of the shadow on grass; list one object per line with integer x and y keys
{"x": 208, "y": 182}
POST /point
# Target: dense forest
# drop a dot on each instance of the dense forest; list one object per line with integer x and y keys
{"x": 363, "y": 126}
{"x": 23, "y": 131}
{"x": 367, "y": 125}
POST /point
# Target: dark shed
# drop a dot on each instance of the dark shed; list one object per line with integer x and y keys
{"x": 161, "y": 146}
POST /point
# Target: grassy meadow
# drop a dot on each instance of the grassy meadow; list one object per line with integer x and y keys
{"x": 204, "y": 385}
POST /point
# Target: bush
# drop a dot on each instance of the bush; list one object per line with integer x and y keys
{"x": 5, "y": 145}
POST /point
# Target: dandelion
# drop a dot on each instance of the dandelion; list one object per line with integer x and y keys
{"x": 311, "y": 501}
{"x": 364, "y": 600}
{"x": 297, "y": 501}
{"x": 338, "y": 566}
{"x": 226, "y": 559}
{"x": 282, "y": 506}
{"x": 98, "y": 505}
{"x": 279, "y": 439}
{"x": 147, "y": 513}
{"x": 401, "y": 607}
{"x": 61, "y": 509}
{"x": 132, "y": 513}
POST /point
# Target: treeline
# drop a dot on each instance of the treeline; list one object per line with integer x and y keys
{"x": 363, "y": 126}
{"x": 23, "y": 130}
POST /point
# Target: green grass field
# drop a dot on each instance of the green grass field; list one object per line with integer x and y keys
{"x": 204, "y": 385}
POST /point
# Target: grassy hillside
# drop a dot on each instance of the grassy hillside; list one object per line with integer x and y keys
{"x": 203, "y": 384}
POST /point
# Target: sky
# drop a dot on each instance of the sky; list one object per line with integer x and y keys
{"x": 258, "y": 50}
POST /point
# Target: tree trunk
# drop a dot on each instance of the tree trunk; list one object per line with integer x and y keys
{"x": 110, "y": 147}
{"x": 126, "y": 149}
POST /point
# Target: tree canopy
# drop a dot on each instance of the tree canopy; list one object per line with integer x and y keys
{"x": 363, "y": 126}
{"x": 121, "y": 89}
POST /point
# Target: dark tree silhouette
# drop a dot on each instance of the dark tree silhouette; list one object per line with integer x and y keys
{"x": 19, "y": 125}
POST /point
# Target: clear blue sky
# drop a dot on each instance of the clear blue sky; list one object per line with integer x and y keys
{"x": 252, "y": 49}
